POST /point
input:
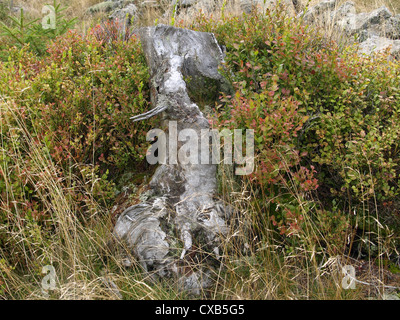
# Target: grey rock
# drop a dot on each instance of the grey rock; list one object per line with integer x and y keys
{"x": 376, "y": 44}
{"x": 375, "y": 30}
{"x": 113, "y": 7}
{"x": 392, "y": 27}
{"x": 370, "y": 22}
{"x": 125, "y": 14}
{"x": 248, "y": 5}
{"x": 106, "y": 6}
{"x": 343, "y": 15}
{"x": 314, "y": 13}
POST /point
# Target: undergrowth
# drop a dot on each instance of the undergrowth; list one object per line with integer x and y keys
{"x": 323, "y": 194}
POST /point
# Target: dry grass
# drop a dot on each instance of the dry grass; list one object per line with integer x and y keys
{"x": 254, "y": 265}
{"x": 258, "y": 266}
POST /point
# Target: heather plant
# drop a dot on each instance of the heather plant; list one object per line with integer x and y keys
{"x": 325, "y": 129}
{"x": 112, "y": 30}
{"x": 325, "y": 184}
{"x": 74, "y": 105}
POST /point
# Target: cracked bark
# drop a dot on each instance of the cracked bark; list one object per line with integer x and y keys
{"x": 177, "y": 231}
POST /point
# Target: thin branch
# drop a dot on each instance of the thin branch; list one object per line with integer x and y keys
{"x": 149, "y": 114}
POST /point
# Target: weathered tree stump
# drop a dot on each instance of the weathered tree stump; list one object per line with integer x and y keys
{"x": 176, "y": 232}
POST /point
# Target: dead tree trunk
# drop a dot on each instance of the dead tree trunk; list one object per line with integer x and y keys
{"x": 176, "y": 232}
